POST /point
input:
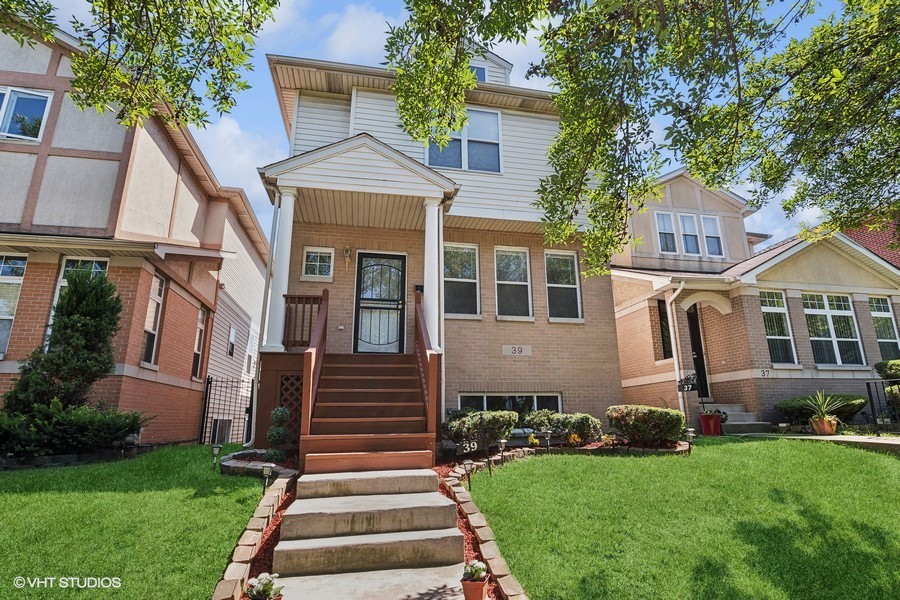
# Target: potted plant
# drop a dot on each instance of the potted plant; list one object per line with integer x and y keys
{"x": 263, "y": 587}
{"x": 474, "y": 580}
{"x": 711, "y": 421}
{"x": 823, "y": 406}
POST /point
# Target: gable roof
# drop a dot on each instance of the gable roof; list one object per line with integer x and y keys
{"x": 876, "y": 242}
{"x": 726, "y": 195}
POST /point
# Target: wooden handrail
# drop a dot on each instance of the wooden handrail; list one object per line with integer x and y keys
{"x": 429, "y": 363}
{"x": 313, "y": 358}
{"x": 299, "y": 319}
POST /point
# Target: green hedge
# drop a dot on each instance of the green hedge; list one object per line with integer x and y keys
{"x": 562, "y": 425}
{"x": 645, "y": 425}
{"x": 798, "y": 413}
{"x": 486, "y": 426}
{"x": 72, "y": 430}
{"x": 888, "y": 369}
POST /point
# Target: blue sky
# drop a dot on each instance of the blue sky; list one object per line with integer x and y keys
{"x": 253, "y": 134}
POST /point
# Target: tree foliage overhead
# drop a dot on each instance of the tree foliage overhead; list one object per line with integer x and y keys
{"x": 139, "y": 55}
{"x": 815, "y": 119}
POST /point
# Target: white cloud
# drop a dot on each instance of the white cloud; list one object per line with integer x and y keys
{"x": 289, "y": 17}
{"x": 357, "y": 35}
{"x": 234, "y": 155}
{"x": 521, "y": 56}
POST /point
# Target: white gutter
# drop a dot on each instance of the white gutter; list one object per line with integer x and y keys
{"x": 263, "y": 323}
{"x": 676, "y": 358}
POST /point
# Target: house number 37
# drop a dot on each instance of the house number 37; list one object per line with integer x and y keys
{"x": 764, "y": 372}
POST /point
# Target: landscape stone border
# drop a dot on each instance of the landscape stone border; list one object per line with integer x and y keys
{"x": 231, "y": 586}
{"x": 237, "y": 463}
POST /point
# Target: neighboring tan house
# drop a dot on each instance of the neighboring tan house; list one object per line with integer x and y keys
{"x": 754, "y": 329}
{"x": 371, "y": 215}
{"x": 138, "y": 204}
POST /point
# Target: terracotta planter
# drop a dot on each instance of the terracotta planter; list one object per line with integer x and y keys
{"x": 824, "y": 426}
{"x": 475, "y": 590}
{"x": 711, "y": 424}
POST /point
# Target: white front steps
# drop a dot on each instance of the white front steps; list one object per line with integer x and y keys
{"x": 372, "y": 535}
{"x": 739, "y": 420}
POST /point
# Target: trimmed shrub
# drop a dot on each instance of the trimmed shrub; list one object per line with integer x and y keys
{"x": 893, "y": 396}
{"x": 584, "y": 426}
{"x": 798, "y": 412}
{"x": 539, "y": 420}
{"x": 486, "y": 426}
{"x": 275, "y": 455}
{"x": 54, "y": 429}
{"x": 888, "y": 369}
{"x": 280, "y": 416}
{"x": 646, "y": 425}
{"x": 562, "y": 425}
{"x": 277, "y": 435}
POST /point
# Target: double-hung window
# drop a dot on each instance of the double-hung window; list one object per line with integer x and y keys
{"x": 151, "y": 322}
{"x": 199, "y": 342}
{"x": 520, "y": 403}
{"x": 832, "y": 329}
{"x": 885, "y": 327}
{"x": 12, "y": 271}
{"x": 563, "y": 293}
{"x": 690, "y": 237}
{"x": 461, "y": 280}
{"x": 712, "y": 236}
{"x": 778, "y": 327}
{"x": 665, "y": 228}
{"x": 513, "y": 282}
{"x": 23, "y": 113}
{"x": 475, "y": 148}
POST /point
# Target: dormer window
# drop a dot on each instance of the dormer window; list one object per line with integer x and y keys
{"x": 480, "y": 73}
{"x": 475, "y": 148}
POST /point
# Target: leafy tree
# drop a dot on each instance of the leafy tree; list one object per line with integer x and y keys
{"x": 816, "y": 118}
{"x": 137, "y": 55}
{"x": 79, "y": 349}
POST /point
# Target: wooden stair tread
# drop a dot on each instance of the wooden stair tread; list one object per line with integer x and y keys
{"x": 369, "y": 377}
{"x": 378, "y": 390}
{"x": 387, "y": 436}
{"x": 367, "y": 404}
{"x": 365, "y": 419}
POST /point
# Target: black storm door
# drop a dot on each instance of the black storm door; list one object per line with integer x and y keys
{"x": 380, "y": 314}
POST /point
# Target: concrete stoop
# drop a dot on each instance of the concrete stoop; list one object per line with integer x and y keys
{"x": 374, "y": 534}
{"x": 739, "y": 419}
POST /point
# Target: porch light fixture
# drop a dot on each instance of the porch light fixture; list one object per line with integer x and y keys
{"x": 467, "y": 465}
{"x": 216, "y": 448}
{"x": 267, "y": 472}
{"x": 502, "y": 450}
{"x": 347, "y": 252}
{"x": 690, "y": 434}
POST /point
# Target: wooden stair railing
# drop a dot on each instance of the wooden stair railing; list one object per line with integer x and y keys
{"x": 299, "y": 319}
{"x": 429, "y": 363}
{"x": 313, "y": 358}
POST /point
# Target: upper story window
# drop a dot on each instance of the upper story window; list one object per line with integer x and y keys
{"x": 885, "y": 327}
{"x": 23, "y": 113}
{"x": 690, "y": 238}
{"x": 513, "y": 282}
{"x": 475, "y": 148}
{"x": 563, "y": 293}
{"x": 832, "y": 329}
{"x": 12, "y": 271}
{"x": 461, "y": 279}
{"x": 778, "y": 327}
{"x": 712, "y": 236}
{"x": 480, "y": 73}
{"x": 666, "y": 230}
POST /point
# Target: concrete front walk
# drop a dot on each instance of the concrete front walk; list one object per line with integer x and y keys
{"x": 435, "y": 583}
{"x": 869, "y": 442}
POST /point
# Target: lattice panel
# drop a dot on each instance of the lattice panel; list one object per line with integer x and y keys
{"x": 290, "y": 396}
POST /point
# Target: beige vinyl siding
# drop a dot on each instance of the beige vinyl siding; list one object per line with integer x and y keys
{"x": 321, "y": 120}
{"x": 228, "y": 314}
{"x": 507, "y": 195}
{"x": 493, "y": 73}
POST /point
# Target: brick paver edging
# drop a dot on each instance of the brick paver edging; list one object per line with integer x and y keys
{"x": 231, "y": 586}
{"x": 236, "y": 463}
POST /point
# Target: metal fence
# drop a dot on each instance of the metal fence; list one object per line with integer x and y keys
{"x": 884, "y": 404}
{"x": 226, "y": 411}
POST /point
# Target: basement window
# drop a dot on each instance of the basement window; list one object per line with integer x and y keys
{"x": 515, "y": 402}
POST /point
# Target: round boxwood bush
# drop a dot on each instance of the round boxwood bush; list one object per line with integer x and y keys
{"x": 280, "y": 416}
{"x": 888, "y": 369}
{"x": 486, "y": 426}
{"x": 797, "y": 412}
{"x": 646, "y": 425}
{"x": 277, "y": 435}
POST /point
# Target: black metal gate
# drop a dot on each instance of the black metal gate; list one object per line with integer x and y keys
{"x": 226, "y": 416}
{"x": 884, "y": 404}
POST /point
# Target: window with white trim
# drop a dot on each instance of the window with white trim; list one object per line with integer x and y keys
{"x": 690, "y": 236}
{"x": 97, "y": 266}
{"x": 475, "y": 148}
{"x": 199, "y": 343}
{"x": 151, "y": 322}
{"x": 885, "y": 327}
{"x": 665, "y": 228}
{"x": 23, "y": 113}
{"x": 12, "y": 272}
{"x": 248, "y": 367}
{"x": 513, "y": 282}
{"x": 778, "y": 327}
{"x": 461, "y": 295}
{"x": 480, "y": 73}
{"x": 832, "y": 329}
{"x": 712, "y": 236}
{"x": 563, "y": 286}
{"x": 232, "y": 340}
{"x": 516, "y": 402}
{"x": 318, "y": 263}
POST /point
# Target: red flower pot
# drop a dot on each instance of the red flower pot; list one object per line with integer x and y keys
{"x": 475, "y": 590}
{"x": 711, "y": 424}
{"x": 824, "y": 426}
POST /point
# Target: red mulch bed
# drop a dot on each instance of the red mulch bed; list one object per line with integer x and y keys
{"x": 262, "y": 562}
{"x": 473, "y": 552}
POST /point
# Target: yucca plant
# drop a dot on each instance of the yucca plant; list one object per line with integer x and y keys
{"x": 823, "y": 407}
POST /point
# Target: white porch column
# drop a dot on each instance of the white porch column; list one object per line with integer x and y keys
{"x": 280, "y": 272}
{"x": 432, "y": 296}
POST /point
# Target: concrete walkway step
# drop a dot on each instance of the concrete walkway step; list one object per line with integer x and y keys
{"x": 372, "y": 552}
{"x": 355, "y": 515}
{"x": 750, "y": 427}
{"x": 397, "y": 584}
{"x": 367, "y": 483}
{"x": 742, "y": 417}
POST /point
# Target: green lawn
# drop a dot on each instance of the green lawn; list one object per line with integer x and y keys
{"x": 164, "y": 523}
{"x": 738, "y": 519}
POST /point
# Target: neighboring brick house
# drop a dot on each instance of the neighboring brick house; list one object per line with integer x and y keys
{"x": 877, "y": 241}
{"x": 754, "y": 328}
{"x": 139, "y": 204}
{"x": 371, "y": 215}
